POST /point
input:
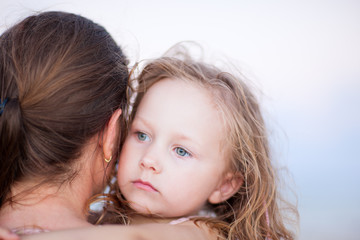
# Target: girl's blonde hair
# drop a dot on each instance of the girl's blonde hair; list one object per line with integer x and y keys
{"x": 253, "y": 212}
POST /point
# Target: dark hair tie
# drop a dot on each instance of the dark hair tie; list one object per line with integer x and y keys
{"x": 2, "y": 105}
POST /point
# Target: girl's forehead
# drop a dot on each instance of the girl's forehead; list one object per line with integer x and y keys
{"x": 177, "y": 91}
{"x": 198, "y": 99}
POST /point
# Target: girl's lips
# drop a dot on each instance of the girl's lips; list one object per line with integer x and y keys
{"x": 144, "y": 186}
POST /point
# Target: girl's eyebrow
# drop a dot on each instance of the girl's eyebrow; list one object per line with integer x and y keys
{"x": 195, "y": 145}
{"x": 138, "y": 119}
{"x": 184, "y": 137}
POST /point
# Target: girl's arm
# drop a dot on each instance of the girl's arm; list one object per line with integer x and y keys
{"x": 156, "y": 231}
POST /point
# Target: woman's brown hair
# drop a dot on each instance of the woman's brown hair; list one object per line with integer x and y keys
{"x": 62, "y": 76}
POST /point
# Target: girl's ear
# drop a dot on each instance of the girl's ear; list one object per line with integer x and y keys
{"x": 230, "y": 184}
{"x": 111, "y": 134}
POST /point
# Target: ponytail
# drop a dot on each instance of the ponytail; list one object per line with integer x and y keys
{"x": 11, "y": 142}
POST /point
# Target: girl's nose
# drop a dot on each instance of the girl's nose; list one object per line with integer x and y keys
{"x": 149, "y": 162}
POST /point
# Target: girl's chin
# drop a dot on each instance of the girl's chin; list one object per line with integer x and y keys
{"x": 141, "y": 209}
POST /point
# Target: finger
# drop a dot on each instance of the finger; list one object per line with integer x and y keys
{"x": 6, "y": 234}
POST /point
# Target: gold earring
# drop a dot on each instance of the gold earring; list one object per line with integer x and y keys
{"x": 108, "y": 160}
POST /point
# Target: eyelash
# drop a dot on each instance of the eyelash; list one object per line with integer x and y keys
{"x": 138, "y": 133}
{"x": 188, "y": 154}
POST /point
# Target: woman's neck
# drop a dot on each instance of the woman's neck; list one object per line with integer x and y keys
{"x": 46, "y": 208}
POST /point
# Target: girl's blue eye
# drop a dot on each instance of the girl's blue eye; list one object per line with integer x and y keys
{"x": 142, "y": 137}
{"x": 182, "y": 152}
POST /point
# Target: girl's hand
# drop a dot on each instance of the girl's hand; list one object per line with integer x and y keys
{"x": 6, "y": 234}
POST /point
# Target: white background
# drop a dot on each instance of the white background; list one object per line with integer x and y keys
{"x": 305, "y": 57}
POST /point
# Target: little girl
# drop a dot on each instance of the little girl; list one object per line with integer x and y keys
{"x": 195, "y": 163}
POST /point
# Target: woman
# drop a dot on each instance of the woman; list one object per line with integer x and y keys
{"x": 63, "y": 89}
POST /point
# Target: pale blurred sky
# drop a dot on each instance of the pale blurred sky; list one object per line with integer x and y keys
{"x": 305, "y": 57}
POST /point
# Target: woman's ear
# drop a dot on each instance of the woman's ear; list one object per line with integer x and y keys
{"x": 111, "y": 134}
{"x": 229, "y": 185}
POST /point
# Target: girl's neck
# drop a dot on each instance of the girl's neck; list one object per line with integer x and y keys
{"x": 46, "y": 208}
{"x": 141, "y": 219}
{"x": 206, "y": 211}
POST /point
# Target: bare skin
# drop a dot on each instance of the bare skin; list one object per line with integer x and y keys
{"x": 156, "y": 231}
{"x": 62, "y": 207}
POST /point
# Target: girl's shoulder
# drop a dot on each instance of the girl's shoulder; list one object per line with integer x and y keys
{"x": 205, "y": 213}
